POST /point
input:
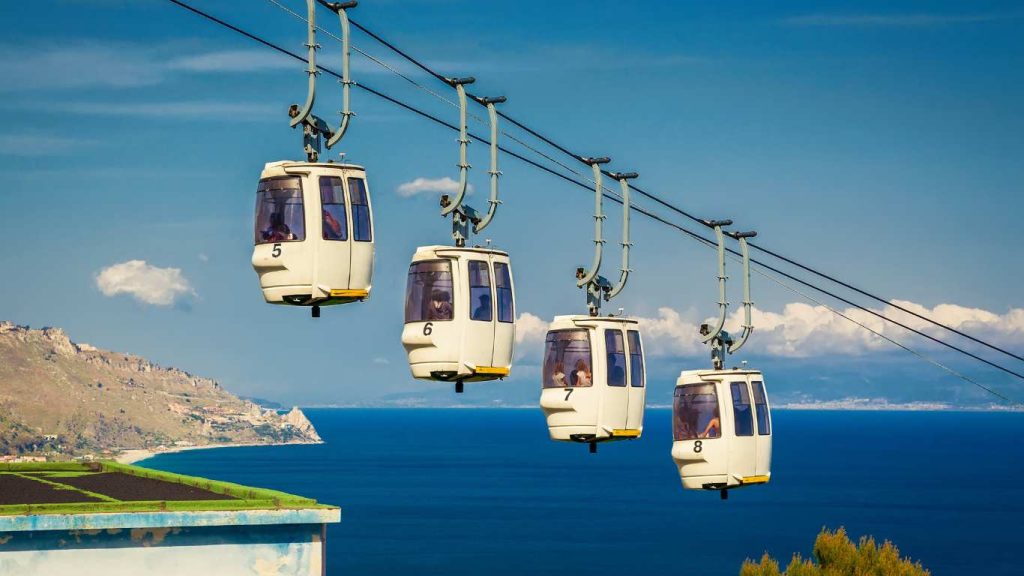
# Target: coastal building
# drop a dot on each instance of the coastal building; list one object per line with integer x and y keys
{"x": 103, "y": 518}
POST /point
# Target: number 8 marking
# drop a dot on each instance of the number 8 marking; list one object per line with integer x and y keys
{"x": 697, "y": 446}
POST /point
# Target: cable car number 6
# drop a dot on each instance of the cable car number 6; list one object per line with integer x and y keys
{"x": 428, "y": 328}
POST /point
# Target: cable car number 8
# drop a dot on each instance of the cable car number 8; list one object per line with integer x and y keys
{"x": 698, "y": 446}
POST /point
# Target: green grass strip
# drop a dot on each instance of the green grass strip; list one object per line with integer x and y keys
{"x": 60, "y": 486}
{"x": 153, "y": 506}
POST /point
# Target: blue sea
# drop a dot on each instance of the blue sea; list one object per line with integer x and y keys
{"x": 475, "y": 492}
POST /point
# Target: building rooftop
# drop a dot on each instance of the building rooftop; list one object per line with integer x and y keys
{"x": 50, "y": 495}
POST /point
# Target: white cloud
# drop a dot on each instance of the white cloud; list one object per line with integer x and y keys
{"x": 230, "y": 111}
{"x": 78, "y": 64}
{"x": 803, "y": 330}
{"x": 444, "y": 185}
{"x": 381, "y": 360}
{"x": 234, "y": 61}
{"x": 38, "y": 144}
{"x": 146, "y": 283}
{"x": 920, "y": 20}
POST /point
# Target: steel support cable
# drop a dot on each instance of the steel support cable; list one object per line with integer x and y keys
{"x": 893, "y": 341}
{"x": 585, "y": 186}
{"x": 694, "y": 218}
{"x": 437, "y": 95}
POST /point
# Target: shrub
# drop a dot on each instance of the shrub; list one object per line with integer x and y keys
{"x": 835, "y": 555}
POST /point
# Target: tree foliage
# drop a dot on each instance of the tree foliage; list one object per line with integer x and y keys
{"x": 835, "y": 555}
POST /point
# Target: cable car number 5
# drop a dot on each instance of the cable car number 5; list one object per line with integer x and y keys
{"x": 276, "y": 251}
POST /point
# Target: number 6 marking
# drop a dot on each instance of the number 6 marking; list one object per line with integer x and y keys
{"x": 428, "y": 328}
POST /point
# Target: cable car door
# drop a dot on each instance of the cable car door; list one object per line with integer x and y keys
{"x": 763, "y": 416}
{"x": 334, "y": 254}
{"x": 743, "y": 446}
{"x": 615, "y": 401}
{"x": 478, "y": 306}
{"x": 505, "y": 327}
{"x": 361, "y": 215}
{"x": 637, "y": 377}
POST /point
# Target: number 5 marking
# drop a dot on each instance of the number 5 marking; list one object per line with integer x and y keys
{"x": 276, "y": 251}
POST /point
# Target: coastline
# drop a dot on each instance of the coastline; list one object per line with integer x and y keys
{"x": 135, "y": 456}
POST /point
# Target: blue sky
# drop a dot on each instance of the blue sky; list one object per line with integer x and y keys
{"x": 881, "y": 141}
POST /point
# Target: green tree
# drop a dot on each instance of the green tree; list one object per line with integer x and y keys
{"x": 836, "y": 555}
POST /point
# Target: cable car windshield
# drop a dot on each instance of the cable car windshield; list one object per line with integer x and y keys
{"x": 764, "y": 419}
{"x": 361, "y": 230}
{"x": 567, "y": 360}
{"x": 741, "y": 409}
{"x": 279, "y": 214}
{"x": 696, "y": 412}
{"x": 480, "y": 291}
{"x": 332, "y": 202}
{"x": 503, "y": 284}
{"x": 636, "y": 360}
{"x": 616, "y": 352}
{"x": 428, "y": 294}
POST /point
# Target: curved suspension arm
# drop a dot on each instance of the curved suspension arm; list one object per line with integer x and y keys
{"x": 460, "y": 87}
{"x": 584, "y": 278}
{"x": 623, "y": 179}
{"x": 748, "y": 325}
{"x": 299, "y": 115}
{"x": 493, "y": 202}
{"x": 723, "y": 304}
{"x": 346, "y": 81}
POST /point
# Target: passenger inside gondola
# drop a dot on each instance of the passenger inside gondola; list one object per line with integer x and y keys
{"x": 558, "y": 376}
{"x": 696, "y": 411}
{"x": 582, "y": 374}
{"x": 440, "y": 305}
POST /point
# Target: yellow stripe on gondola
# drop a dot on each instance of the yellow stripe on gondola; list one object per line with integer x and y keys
{"x": 625, "y": 433}
{"x": 755, "y": 480}
{"x": 491, "y": 371}
{"x": 350, "y": 293}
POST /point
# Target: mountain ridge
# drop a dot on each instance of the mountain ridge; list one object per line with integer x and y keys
{"x": 60, "y": 398}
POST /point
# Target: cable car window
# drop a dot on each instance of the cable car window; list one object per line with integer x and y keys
{"x": 480, "y": 291}
{"x": 503, "y": 285}
{"x": 428, "y": 294}
{"x": 279, "y": 213}
{"x": 361, "y": 227}
{"x": 696, "y": 412}
{"x": 741, "y": 409}
{"x": 567, "y": 360}
{"x": 616, "y": 356}
{"x": 764, "y": 419}
{"x": 332, "y": 202}
{"x": 636, "y": 360}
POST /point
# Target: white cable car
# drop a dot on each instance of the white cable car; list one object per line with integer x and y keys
{"x": 459, "y": 301}
{"x": 721, "y": 419}
{"x": 314, "y": 222}
{"x": 459, "y": 315}
{"x": 722, "y": 429}
{"x": 593, "y": 379}
{"x": 313, "y": 234}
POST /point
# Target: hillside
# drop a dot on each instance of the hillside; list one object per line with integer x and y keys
{"x": 59, "y": 397}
